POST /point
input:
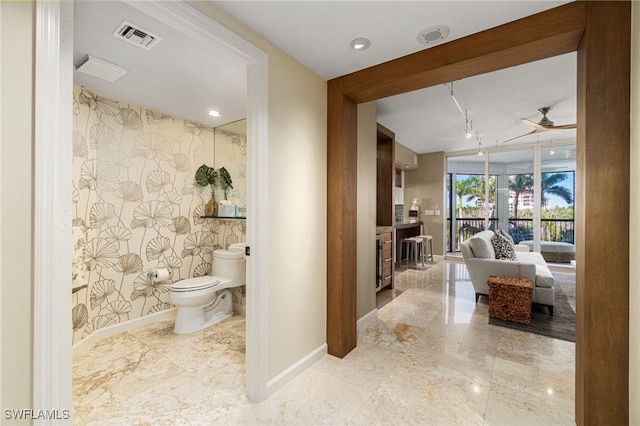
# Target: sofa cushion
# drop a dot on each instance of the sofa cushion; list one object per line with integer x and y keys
{"x": 481, "y": 245}
{"x": 503, "y": 246}
{"x": 544, "y": 277}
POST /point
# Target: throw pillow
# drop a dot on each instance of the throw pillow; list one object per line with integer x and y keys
{"x": 504, "y": 234}
{"x": 503, "y": 246}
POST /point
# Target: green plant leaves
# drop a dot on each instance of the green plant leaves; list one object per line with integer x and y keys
{"x": 206, "y": 175}
{"x": 225, "y": 178}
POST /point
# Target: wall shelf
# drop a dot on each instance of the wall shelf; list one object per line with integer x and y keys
{"x": 223, "y": 217}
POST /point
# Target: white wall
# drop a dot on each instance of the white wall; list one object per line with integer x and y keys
{"x": 16, "y": 171}
{"x": 298, "y": 202}
{"x": 367, "y": 146}
{"x": 634, "y": 231}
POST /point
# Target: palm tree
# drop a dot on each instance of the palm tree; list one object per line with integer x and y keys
{"x": 549, "y": 185}
{"x": 463, "y": 188}
{"x": 520, "y": 184}
{"x": 477, "y": 190}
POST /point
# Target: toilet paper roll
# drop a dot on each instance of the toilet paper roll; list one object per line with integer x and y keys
{"x": 161, "y": 274}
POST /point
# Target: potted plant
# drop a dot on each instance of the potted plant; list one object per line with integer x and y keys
{"x": 206, "y": 175}
{"x": 225, "y": 180}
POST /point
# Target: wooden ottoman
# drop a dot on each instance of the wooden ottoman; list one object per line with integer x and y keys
{"x": 510, "y": 298}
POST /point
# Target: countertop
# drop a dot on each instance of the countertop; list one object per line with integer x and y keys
{"x": 405, "y": 225}
{"x": 383, "y": 229}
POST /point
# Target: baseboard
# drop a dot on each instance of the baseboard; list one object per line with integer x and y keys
{"x": 290, "y": 373}
{"x": 122, "y": 327}
{"x": 240, "y": 309}
{"x": 366, "y": 318}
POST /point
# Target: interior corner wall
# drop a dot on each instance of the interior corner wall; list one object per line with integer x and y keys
{"x": 297, "y": 252}
{"x": 428, "y": 186}
{"x": 16, "y": 278}
{"x": 367, "y": 140}
{"x": 634, "y": 223}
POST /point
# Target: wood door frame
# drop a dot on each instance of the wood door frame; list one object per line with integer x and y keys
{"x": 603, "y": 144}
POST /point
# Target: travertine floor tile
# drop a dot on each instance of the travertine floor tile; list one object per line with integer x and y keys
{"x": 430, "y": 357}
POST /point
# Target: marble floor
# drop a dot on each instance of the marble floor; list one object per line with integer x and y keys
{"x": 430, "y": 357}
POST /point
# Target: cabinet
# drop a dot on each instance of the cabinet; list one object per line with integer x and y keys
{"x": 385, "y": 172}
{"x": 384, "y": 261}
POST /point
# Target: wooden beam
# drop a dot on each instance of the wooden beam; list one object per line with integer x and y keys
{"x": 341, "y": 221}
{"x": 539, "y": 36}
{"x": 603, "y": 178}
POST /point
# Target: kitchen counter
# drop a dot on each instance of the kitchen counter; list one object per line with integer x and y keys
{"x": 383, "y": 229}
{"x": 405, "y": 225}
{"x": 405, "y": 230}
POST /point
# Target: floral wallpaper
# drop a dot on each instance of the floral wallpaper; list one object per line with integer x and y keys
{"x": 136, "y": 202}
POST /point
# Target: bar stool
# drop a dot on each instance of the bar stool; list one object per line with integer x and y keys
{"x": 427, "y": 246}
{"x": 414, "y": 249}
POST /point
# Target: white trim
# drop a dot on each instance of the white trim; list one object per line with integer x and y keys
{"x": 366, "y": 318}
{"x": 202, "y": 29}
{"x": 1, "y": 237}
{"x": 290, "y": 373}
{"x": 52, "y": 254}
{"x": 211, "y": 34}
{"x": 257, "y": 229}
{"x": 516, "y": 147}
{"x": 112, "y": 330}
{"x": 52, "y": 204}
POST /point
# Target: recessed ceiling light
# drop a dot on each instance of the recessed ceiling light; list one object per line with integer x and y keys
{"x": 214, "y": 113}
{"x": 433, "y": 34}
{"x": 360, "y": 44}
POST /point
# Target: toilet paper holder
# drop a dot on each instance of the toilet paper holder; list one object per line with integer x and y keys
{"x": 160, "y": 274}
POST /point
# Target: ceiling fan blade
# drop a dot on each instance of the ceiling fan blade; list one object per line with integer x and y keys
{"x": 521, "y": 136}
{"x": 564, "y": 126}
{"x": 534, "y": 124}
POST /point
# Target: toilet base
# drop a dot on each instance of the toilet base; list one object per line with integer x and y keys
{"x": 192, "y": 319}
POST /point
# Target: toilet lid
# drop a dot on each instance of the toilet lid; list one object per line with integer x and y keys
{"x": 227, "y": 254}
{"x": 197, "y": 283}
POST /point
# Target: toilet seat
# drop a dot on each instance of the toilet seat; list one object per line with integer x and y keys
{"x": 194, "y": 284}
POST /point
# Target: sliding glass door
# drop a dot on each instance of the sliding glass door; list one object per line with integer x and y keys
{"x": 557, "y": 206}
{"x": 527, "y": 192}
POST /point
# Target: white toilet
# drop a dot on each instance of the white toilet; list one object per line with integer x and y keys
{"x": 204, "y": 301}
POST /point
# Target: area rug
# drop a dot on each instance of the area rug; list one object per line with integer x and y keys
{"x": 562, "y": 325}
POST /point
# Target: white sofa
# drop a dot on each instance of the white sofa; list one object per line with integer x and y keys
{"x": 480, "y": 258}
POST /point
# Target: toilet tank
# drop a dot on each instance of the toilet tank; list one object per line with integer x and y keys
{"x": 230, "y": 265}
{"x": 239, "y": 247}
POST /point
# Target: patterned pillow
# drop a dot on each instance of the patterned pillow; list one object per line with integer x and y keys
{"x": 503, "y": 245}
{"x": 504, "y": 234}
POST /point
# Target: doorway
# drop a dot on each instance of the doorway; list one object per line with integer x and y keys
{"x": 577, "y": 27}
{"x": 52, "y": 334}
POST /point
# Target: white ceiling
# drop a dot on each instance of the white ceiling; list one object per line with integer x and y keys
{"x": 176, "y": 76}
{"x": 179, "y": 78}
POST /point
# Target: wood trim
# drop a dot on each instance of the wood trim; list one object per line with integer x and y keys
{"x": 540, "y": 36}
{"x": 603, "y": 179}
{"x": 603, "y": 166}
{"x": 385, "y": 174}
{"x": 341, "y": 221}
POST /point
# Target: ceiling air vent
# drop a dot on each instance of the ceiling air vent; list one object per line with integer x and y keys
{"x": 136, "y": 35}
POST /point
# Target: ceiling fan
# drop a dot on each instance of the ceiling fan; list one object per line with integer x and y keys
{"x": 543, "y": 125}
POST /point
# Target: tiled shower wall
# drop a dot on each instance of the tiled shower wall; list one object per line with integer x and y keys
{"x": 135, "y": 200}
